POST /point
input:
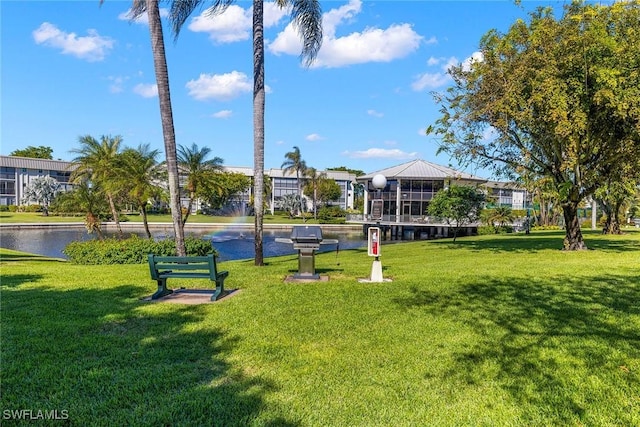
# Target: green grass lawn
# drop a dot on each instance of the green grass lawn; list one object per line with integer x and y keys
{"x": 489, "y": 331}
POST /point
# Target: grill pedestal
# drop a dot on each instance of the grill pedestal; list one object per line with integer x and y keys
{"x": 306, "y": 240}
{"x": 306, "y": 262}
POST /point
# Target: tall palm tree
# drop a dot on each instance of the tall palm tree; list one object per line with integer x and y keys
{"x": 166, "y": 112}
{"x": 141, "y": 173}
{"x": 199, "y": 169}
{"x": 96, "y": 162}
{"x": 307, "y": 16}
{"x": 294, "y": 163}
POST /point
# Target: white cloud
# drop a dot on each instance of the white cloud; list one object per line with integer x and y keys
{"x": 375, "y": 113}
{"x": 117, "y": 83}
{"x": 429, "y": 81}
{"x": 236, "y": 23}
{"x": 370, "y": 45}
{"x": 146, "y": 90}
{"x": 221, "y": 87}
{"x": 231, "y": 26}
{"x": 142, "y": 19}
{"x": 374, "y": 153}
{"x": 434, "y": 80}
{"x": 314, "y": 137}
{"x": 433, "y": 61}
{"x": 222, "y": 114}
{"x": 92, "y": 47}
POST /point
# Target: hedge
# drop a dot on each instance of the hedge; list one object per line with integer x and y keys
{"x": 133, "y": 250}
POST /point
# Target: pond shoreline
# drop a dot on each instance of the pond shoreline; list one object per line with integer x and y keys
{"x": 161, "y": 226}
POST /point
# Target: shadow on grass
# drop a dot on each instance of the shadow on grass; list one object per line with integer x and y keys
{"x": 552, "y": 344}
{"x": 15, "y": 280}
{"x": 545, "y": 240}
{"x": 105, "y": 357}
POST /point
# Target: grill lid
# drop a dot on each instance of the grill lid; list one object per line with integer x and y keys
{"x": 306, "y": 233}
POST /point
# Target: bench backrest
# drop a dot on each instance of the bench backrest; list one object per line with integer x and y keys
{"x": 195, "y": 264}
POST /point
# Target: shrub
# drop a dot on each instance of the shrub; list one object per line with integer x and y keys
{"x": 31, "y": 208}
{"x": 547, "y": 227}
{"x": 490, "y": 229}
{"x": 13, "y": 208}
{"x": 331, "y": 215}
{"x": 4, "y": 208}
{"x": 486, "y": 229}
{"x": 133, "y": 250}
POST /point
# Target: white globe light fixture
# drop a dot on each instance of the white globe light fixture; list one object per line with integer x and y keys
{"x": 379, "y": 181}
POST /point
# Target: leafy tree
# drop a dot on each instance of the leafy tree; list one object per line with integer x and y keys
{"x": 306, "y": 15}
{"x": 140, "y": 174}
{"x": 558, "y": 98}
{"x": 200, "y": 171}
{"x": 356, "y": 172}
{"x": 615, "y": 197}
{"x": 166, "y": 112}
{"x": 226, "y": 186}
{"x": 358, "y": 188}
{"x": 96, "y": 161}
{"x": 457, "y": 205}
{"x": 40, "y": 152}
{"x": 42, "y": 190}
{"x": 328, "y": 190}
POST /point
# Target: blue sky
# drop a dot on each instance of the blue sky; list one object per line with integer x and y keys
{"x": 75, "y": 68}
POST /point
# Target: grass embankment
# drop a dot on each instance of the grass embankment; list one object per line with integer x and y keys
{"x": 36, "y": 217}
{"x": 492, "y": 330}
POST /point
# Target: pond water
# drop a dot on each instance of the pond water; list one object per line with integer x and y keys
{"x": 230, "y": 244}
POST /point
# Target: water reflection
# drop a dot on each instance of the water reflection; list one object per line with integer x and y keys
{"x": 231, "y": 245}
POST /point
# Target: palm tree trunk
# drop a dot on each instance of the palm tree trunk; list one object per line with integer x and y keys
{"x": 258, "y": 127}
{"x": 114, "y": 212}
{"x": 145, "y": 220}
{"x": 192, "y": 197}
{"x": 166, "y": 113}
{"x": 92, "y": 223}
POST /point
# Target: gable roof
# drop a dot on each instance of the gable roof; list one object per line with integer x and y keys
{"x": 32, "y": 163}
{"x": 421, "y": 169}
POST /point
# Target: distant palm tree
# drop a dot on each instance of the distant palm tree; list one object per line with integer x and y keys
{"x": 307, "y": 17}
{"x": 294, "y": 163}
{"x": 199, "y": 169}
{"x": 141, "y": 175}
{"x": 314, "y": 178}
{"x": 166, "y": 112}
{"x": 96, "y": 162}
{"x": 88, "y": 197}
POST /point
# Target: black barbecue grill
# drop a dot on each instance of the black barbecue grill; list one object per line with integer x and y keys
{"x": 306, "y": 239}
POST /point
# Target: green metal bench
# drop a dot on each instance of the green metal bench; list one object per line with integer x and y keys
{"x": 189, "y": 267}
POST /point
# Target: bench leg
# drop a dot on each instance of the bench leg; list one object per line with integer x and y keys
{"x": 219, "y": 293}
{"x": 162, "y": 289}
